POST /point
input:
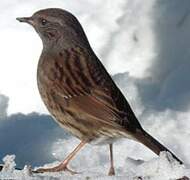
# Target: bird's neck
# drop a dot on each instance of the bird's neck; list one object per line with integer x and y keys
{"x": 62, "y": 45}
{"x": 65, "y": 41}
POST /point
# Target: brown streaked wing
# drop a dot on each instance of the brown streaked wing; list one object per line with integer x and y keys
{"x": 104, "y": 101}
{"x": 107, "y": 92}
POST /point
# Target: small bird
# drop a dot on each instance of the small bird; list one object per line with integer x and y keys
{"x": 78, "y": 91}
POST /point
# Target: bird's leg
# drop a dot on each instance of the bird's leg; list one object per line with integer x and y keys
{"x": 112, "y": 170}
{"x": 63, "y": 165}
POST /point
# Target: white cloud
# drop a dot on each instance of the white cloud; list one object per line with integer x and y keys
{"x": 128, "y": 36}
{"x": 21, "y": 45}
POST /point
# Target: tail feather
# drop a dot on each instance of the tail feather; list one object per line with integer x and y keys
{"x": 153, "y": 144}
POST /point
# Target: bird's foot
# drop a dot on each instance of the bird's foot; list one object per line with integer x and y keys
{"x": 59, "y": 168}
{"x": 111, "y": 171}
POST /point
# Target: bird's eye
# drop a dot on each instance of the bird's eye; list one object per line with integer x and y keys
{"x": 44, "y": 21}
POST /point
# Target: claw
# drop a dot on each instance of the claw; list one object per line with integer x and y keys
{"x": 63, "y": 165}
{"x": 111, "y": 172}
{"x": 55, "y": 169}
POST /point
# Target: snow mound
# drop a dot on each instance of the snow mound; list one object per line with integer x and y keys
{"x": 163, "y": 167}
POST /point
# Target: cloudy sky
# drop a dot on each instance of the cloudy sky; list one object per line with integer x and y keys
{"x": 106, "y": 25}
{"x": 147, "y": 39}
{"x": 145, "y": 45}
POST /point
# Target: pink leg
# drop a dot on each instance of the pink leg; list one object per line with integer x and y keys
{"x": 63, "y": 165}
{"x": 111, "y": 171}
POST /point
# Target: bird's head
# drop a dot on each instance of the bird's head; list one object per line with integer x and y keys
{"x": 56, "y": 26}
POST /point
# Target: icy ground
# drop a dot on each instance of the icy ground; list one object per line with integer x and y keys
{"x": 162, "y": 168}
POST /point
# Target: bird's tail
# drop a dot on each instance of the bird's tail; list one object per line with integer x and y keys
{"x": 153, "y": 144}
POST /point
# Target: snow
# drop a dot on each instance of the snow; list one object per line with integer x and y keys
{"x": 144, "y": 45}
{"x": 163, "y": 167}
{"x": 9, "y": 163}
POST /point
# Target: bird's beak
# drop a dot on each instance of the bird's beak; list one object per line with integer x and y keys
{"x": 28, "y": 20}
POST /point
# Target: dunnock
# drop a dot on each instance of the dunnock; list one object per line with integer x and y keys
{"x": 77, "y": 89}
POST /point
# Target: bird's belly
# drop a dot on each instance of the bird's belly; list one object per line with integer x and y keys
{"x": 103, "y": 139}
{"x": 85, "y": 129}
